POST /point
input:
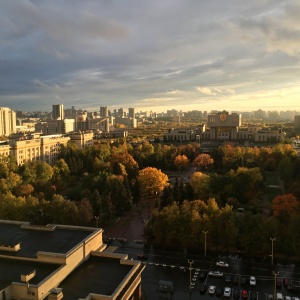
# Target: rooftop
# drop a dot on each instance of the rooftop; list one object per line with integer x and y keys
{"x": 9, "y": 274}
{"x": 59, "y": 240}
{"x": 98, "y": 275}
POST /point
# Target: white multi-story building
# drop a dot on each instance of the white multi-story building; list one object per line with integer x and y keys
{"x": 50, "y": 147}
{"x": 82, "y": 139}
{"x": 7, "y": 121}
{"x": 4, "y": 150}
{"x": 44, "y": 148}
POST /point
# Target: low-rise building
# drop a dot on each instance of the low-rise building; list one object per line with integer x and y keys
{"x": 63, "y": 262}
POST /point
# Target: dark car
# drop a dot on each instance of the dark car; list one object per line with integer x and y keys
{"x": 236, "y": 294}
{"x": 253, "y": 296}
{"x": 243, "y": 280}
{"x": 219, "y": 291}
{"x": 228, "y": 278}
{"x": 235, "y": 280}
{"x": 278, "y": 282}
{"x": 202, "y": 276}
{"x": 202, "y": 289}
{"x": 285, "y": 282}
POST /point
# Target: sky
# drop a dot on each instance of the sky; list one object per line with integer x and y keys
{"x": 152, "y": 55}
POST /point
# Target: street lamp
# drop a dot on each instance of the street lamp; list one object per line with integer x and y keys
{"x": 272, "y": 254}
{"x": 275, "y": 275}
{"x": 205, "y": 232}
{"x": 190, "y": 262}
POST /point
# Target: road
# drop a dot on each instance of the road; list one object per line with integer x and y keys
{"x": 175, "y": 267}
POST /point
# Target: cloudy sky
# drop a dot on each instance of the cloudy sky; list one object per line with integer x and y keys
{"x": 152, "y": 55}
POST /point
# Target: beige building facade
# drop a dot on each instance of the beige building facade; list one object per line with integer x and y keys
{"x": 8, "y": 121}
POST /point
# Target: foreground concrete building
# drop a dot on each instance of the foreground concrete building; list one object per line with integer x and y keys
{"x": 63, "y": 262}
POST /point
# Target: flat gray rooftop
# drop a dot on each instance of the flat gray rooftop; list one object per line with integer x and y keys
{"x": 98, "y": 275}
{"x": 9, "y": 274}
{"x": 32, "y": 241}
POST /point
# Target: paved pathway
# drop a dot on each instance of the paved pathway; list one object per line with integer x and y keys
{"x": 131, "y": 225}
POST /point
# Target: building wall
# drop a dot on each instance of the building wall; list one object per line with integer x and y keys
{"x": 8, "y": 121}
{"x": 58, "y": 112}
{"x": 50, "y": 147}
{"x": 297, "y": 122}
{"x": 82, "y": 139}
{"x": 4, "y": 151}
{"x": 25, "y": 150}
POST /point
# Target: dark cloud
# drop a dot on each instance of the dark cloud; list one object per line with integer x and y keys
{"x": 147, "y": 53}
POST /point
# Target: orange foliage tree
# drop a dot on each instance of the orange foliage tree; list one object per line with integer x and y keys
{"x": 203, "y": 161}
{"x": 152, "y": 180}
{"x": 285, "y": 204}
{"x": 181, "y": 161}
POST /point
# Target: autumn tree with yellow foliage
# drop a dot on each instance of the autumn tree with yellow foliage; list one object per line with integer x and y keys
{"x": 152, "y": 180}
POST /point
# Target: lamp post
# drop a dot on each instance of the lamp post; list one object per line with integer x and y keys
{"x": 272, "y": 254}
{"x": 275, "y": 276}
{"x": 205, "y": 232}
{"x": 190, "y": 262}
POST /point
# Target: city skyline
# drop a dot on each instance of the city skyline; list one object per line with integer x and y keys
{"x": 152, "y": 56}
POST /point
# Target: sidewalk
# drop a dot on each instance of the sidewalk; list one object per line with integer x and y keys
{"x": 131, "y": 225}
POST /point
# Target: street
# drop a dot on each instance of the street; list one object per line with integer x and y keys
{"x": 175, "y": 267}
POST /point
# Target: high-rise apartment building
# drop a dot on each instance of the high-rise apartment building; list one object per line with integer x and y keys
{"x": 103, "y": 111}
{"x": 58, "y": 112}
{"x": 7, "y": 121}
{"x": 131, "y": 112}
{"x": 297, "y": 122}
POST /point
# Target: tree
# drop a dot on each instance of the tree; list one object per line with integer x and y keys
{"x": 203, "y": 162}
{"x": 286, "y": 204}
{"x": 152, "y": 180}
{"x": 200, "y": 184}
{"x": 181, "y": 161}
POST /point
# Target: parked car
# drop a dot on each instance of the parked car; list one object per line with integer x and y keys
{"x": 287, "y": 298}
{"x": 244, "y": 294}
{"x": 222, "y": 264}
{"x": 228, "y": 278}
{"x": 215, "y": 274}
{"x": 236, "y": 294}
{"x": 270, "y": 297}
{"x": 235, "y": 280}
{"x": 202, "y": 289}
{"x": 219, "y": 291}
{"x": 212, "y": 289}
{"x": 285, "y": 282}
{"x": 253, "y": 296}
{"x": 227, "y": 292}
{"x": 243, "y": 280}
{"x": 295, "y": 298}
{"x": 278, "y": 283}
{"x": 202, "y": 276}
{"x": 252, "y": 280}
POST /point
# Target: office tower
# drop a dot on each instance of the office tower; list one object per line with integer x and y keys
{"x": 7, "y": 121}
{"x": 121, "y": 112}
{"x": 131, "y": 112}
{"x": 58, "y": 112}
{"x": 103, "y": 111}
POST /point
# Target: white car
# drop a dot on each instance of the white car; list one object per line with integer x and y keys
{"x": 222, "y": 264}
{"x": 287, "y": 298}
{"x": 211, "y": 289}
{"x": 215, "y": 273}
{"x": 295, "y": 298}
{"x": 227, "y": 292}
{"x": 252, "y": 280}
